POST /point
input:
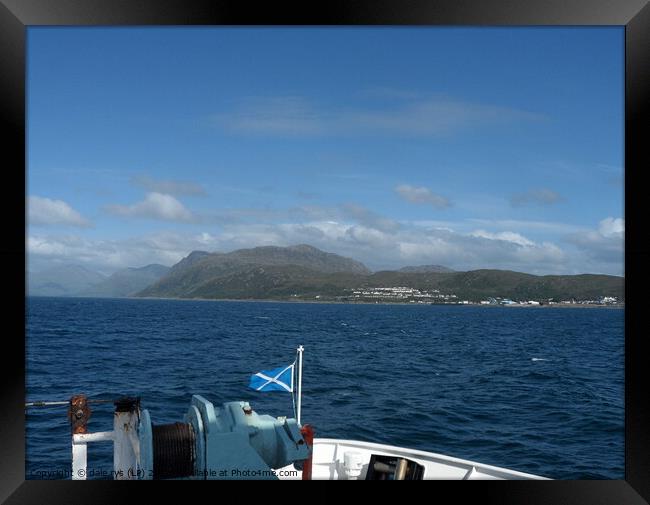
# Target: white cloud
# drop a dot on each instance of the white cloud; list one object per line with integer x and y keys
{"x": 283, "y": 115}
{"x": 155, "y": 206}
{"x": 45, "y": 211}
{"x": 381, "y": 249}
{"x": 435, "y": 116}
{"x": 169, "y": 187}
{"x": 604, "y": 245}
{"x": 507, "y": 236}
{"x": 165, "y": 248}
{"x": 297, "y": 116}
{"x": 351, "y": 212}
{"x": 610, "y": 233}
{"x": 540, "y": 196}
{"x": 481, "y": 249}
{"x": 612, "y": 228}
{"x": 206, "y": 238}
{"x": 378, "y": 248}
{"x": 421, "y": 195}
{"x": 515, "y": 224}
{"x": 368, "y": 218}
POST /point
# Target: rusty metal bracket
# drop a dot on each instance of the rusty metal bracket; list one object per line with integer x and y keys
{"x": 79, "y": 412}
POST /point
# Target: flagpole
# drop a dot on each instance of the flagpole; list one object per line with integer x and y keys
{"x": 300, "y": 350}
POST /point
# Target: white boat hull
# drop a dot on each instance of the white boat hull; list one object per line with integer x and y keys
{"x": 335, "y": 459}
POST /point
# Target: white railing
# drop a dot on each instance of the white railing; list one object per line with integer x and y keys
{"x": 126, "y": 448}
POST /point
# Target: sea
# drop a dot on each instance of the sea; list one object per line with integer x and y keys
{"x": 534, "y": 389}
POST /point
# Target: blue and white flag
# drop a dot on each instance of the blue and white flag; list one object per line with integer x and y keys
{"x": 278, "y": 379}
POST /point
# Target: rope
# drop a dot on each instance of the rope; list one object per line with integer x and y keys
{"x": 50, "y": 404}
{"x": 173, "y": 450}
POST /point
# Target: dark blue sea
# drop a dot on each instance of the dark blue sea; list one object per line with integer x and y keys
{"x": 538, "y": 390}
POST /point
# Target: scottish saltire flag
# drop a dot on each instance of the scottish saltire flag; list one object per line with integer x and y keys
{"x": 278, "y": 379}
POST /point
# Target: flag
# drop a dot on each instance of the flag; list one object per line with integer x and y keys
{"x": 278, "y": 379}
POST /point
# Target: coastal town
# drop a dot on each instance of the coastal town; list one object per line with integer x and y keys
{"x": 403, "y": 294}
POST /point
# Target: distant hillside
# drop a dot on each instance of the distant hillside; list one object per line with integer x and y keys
{"x": 126, "y": 282}
{"x": 304, "y": 272}
{"x": 63, "y": 280}
{"x": 425, "y": 269}
{"x": 273, "y": 282}
{"x": 189, "y": 260}
{"x": 192, "y": 273}
{"x": 300, "y": 255}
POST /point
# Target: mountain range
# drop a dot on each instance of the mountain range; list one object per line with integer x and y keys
{"x": 76, "y": 280}
{"x": 303, "y": 272}
{"x": 63, "y": 280}
{"x": 126, "y": 282}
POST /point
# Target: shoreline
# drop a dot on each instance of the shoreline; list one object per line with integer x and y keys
{"x": 340, "y": 302}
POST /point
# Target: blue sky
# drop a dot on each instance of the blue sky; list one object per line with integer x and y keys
{"x": 466, "y": 147}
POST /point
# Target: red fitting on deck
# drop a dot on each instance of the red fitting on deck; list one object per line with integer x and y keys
{"x": 307, "y": 432}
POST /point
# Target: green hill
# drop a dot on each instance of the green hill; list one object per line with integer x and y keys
{"x": 194, "y": 273}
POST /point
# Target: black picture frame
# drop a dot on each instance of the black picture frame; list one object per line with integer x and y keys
{"x": 17, "y": 15}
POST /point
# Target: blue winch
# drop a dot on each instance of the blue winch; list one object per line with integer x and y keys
{"x": 230, "y": 442}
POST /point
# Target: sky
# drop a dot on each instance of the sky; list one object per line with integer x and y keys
{"x": 463, "y": 147}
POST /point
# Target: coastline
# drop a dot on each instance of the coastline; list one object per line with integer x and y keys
{"x": 347, "y": 302}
